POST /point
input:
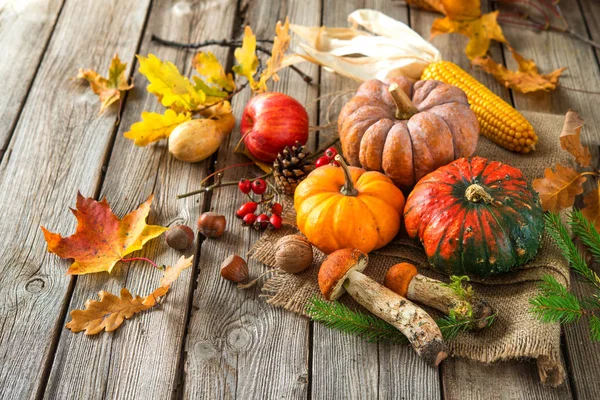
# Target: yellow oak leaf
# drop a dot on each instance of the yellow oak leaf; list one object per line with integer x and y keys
{"x": 480, "y": 31}
{"x": 592, "y": 207}
{"x": 526, "y": 79}
{"x": 247, "y": 62}
{"x": 558, "y": 189}
{"x": 276, "y": 61}
{"x": 101, "y": 238}
{"x": 154, "y": 126}
{"x": 210, "y": 68}
{"x": 110, "y": 311}
{"x": 570, "y": 139}
{"x": 173, "y": 89}
{"x": 108, "y": 89}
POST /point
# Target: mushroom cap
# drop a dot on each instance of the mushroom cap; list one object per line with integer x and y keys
{"x": 399, "y": 276}
{"x": 335, "y": 269}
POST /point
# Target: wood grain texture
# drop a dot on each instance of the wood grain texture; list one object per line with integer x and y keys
{"x": 25, "y": 28}
{"x": 360, "y": 369}
{"x": 58, "y": 147}
{"x": 142, "y": 356}
{"x": 238, "y": 345}
{"x": 523, "y": 377}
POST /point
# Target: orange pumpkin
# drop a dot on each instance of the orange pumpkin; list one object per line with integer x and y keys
{"x": 348, "y": 207}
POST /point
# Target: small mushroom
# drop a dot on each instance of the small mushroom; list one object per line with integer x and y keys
{"x": 342, "y": 272}
{"x": 404, "y": 280}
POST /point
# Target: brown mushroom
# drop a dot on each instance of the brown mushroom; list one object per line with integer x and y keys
{"x": 404, "y": 280}
{"x": 342, "y": 272}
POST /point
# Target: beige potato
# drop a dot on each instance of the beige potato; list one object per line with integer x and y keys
{"x": 196, "y": 140}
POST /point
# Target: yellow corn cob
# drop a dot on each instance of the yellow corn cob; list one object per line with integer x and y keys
{"x": 498, "y": 120}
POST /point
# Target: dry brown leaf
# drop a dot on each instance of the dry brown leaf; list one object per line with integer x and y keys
{"x": 110, "y": 311}
{"x": 592, "y": 207}
{"x": 558, "y": 189}
{"x": 570, "y": 139}
{"x": 481, "y": 31}
{"x": 526, "y": 79}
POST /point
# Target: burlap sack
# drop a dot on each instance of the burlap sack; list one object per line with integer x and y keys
{"x": 516, "y": 333}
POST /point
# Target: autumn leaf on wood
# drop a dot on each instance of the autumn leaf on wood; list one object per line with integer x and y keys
{"x": 570, "y": 139}
{"x": 108, "y": 89}
{"x": 558, "y": 189}
{"x": 247, "y": 62}
{"x": 110, "y": 311}
{"x": 526, "y": 79}
{"x": 592, "y": 207}
{"x": 154, "y": 126}
{"x": 454, "y": 9}
{"x": 101, "y": 238}
{"x": 172, "y": 89}
{"x": 480, "y": 31}
{"x": 276, "y": 62}
{"x": 207, "y": 65}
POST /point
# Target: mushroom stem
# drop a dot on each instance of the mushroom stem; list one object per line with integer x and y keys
{"x": 420, "y": 329}
{"x": 404, "y": 107}
{"x": 404, "y": 280}
{"x": 348, "y": 189}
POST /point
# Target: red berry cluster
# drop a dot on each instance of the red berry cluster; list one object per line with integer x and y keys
{"x": 327, "y": 158}
{"x": 247, "y": 211}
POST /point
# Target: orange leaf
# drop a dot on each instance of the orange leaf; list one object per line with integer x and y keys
{"x": 454, "y": 9}
{"x": 558, "y": 189}
{"x": 275, "y": 62}
{"x": 108, "y": 89}
{"x": 101, "y": 239}
{"x": 592, "y": 207}
{"x": 571, "y": 141}
{"x": 481, "y": 31}
{"x": 526, "y": 79}
{"x": 110, "y": 311}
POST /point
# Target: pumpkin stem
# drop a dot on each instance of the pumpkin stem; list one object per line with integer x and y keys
{"x": 476, "y": 193}
{"x": 348, "y": 189}
{"x": 404, "y": 107}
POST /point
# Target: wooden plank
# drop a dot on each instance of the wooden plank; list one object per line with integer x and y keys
{"x": 520, "y": 379}
{"x": 25, "y": 28}
{"x": 345, "y": 366}
{"x": 238, "y": 345}
{"x": 58, "y": 147}
{"x": 154, "y": 338}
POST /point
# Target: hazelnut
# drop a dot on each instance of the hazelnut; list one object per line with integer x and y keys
{"x": 234, "y": 269}
{"x": 211, "y": 224}
{"x": 293, "y": 253}
{"x": 180, "y": 237}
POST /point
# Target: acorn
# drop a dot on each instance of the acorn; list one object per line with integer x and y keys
{"x": 180, "y": 237}
{"x": 211, "y": 224}
{"x": 293, "y": 253}
{"x": 234, "y": 269}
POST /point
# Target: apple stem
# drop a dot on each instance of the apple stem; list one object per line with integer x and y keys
{"x": 348, "y": 189}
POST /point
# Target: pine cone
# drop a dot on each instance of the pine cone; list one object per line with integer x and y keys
{"x": 290, "y": 167}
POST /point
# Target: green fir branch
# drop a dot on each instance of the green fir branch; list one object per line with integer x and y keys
{"x": 558, "y": 231}
{"x": 337, "y": 316}
{"x": 595, "y": 328}
{"x": 555, "y": 303}
{"x": 583, "y": 228}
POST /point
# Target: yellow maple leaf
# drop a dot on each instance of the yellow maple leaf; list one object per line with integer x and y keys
{"x": 210, "y": 68}
{"x": 480, "y": 31}
{"x": 454, "y": 9}
{"x": 101, "y": 238}
{"x": 276, "y": 61}
{"x": 247, "y": 62}
{"x": 526, "y": 79}
{"x": 154, "y": 126}
{"x": 110, "y": 311}
{"x": 108, "y": 89}
{"x": 173, "y": 89}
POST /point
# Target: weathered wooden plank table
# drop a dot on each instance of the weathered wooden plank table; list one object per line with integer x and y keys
{"x": 208, "y": 340}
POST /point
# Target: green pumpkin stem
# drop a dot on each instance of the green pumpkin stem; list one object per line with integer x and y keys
{"x": 404, "y": 107}
{"x": 348, "y": 189}
{"x": 476, "y": 193}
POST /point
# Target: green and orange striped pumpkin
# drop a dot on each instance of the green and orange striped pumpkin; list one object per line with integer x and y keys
{"x": 475, "y": 217}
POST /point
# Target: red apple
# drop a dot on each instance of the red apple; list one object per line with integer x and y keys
{"x": 272, "y": 121}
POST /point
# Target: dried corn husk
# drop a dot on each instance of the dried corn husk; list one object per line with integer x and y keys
{"x": 390, "y": 49}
